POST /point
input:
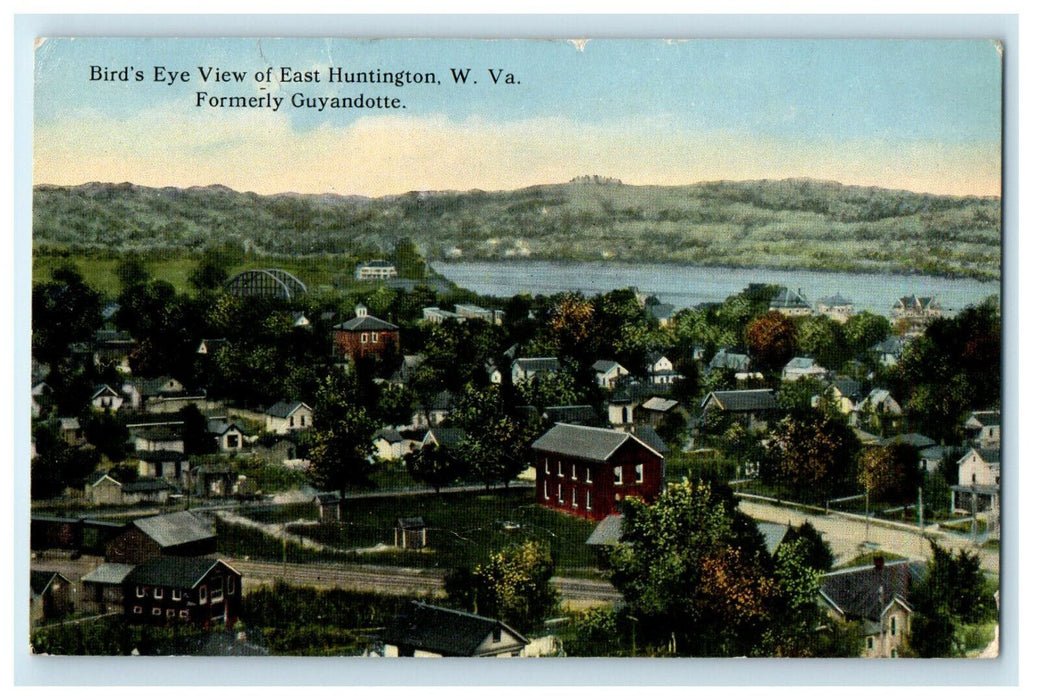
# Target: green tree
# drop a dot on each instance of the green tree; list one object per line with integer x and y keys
{"x": 342, "y": 450}
{"x": 108, "y": 433}
{"x": 823, "y": 339}
{"x": 64, "y": 310}
{"x": 798, "y": 395}
{"x": 691, "y": 576}
{"x": 434, "y": 466}
{"x": 210, "y": 272}
{"x": 195, "y": 431}
{"x": 514, "y": 586}
{"x": 864, "y": 330}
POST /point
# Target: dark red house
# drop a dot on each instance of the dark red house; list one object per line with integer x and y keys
{"x": 589, "y": 471}
{"x": 364, "y": 335}
{"x": 204, "y": 592}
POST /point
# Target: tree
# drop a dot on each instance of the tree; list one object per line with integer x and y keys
{"x": 690, "y": 575}
{"x": 514, "y": 586}
{"x": 107, "y": 432}
{"x": 797, "y": 616}
{"x": 953, "y": 589}
{"x": 341, "y": 451}
{"x": 434, "y": 466}
{"x": 195, "y": 431}
{"x": 771, "y": 341}
{"x": 823, "y": 338}
{"x": 131, "y": 270}
{"x": 889, "y": 473}
{"x": 496, "y": 446}
{"x": 211, "y": 271}
{"x": 798, "y": 395}
{"x": 820, "y": 556}
{"x": 811, "y": 456}
{"x": 65, "y": 310}
{"x": 864, "y": 330}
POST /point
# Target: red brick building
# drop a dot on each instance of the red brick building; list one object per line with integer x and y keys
{"x": 364, "y": 335}
{"x": 589, "y": 471}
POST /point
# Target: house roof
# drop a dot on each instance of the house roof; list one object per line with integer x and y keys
{"x": 986, "y": 454}
{"x": 657, "y": 403}
{"x": 836, "y": 300}
{"x": 366, "y": 323}
{"x": 729, "y": 360}
{"x": 604, "y": 366}
{"x": 109, "y": 573}
{"x": 892, "y": 345}
{"x": 913, "y": 439}
{"x": 69, "y": 423}
{"x": 865, "y": 591}
{"x": 158, "y": 432}
{"x": 173, "y": 572}
{"x": 595, "y": 444}
{"x": 146, "y": 486}
{"x": 160, "y": 456}
{"x": 175, "y": 528}
{"x": 219, "y": 426}
{"x": 773, "y": 534}
{"x": 537, "y": 364}
{"x": 848, "y": 388}
{"x": 412, "y": 523}
{"x": 390, "y": 435}
{"x": 915, "y": 302}
{"x": 786, "y": 299}
{"x": 445, "y": 437}
{"x": 151, "y": 387}
{"x": 40, "y": 581}
{"x": 103, "y": 389}
{"x": 377, "y": 263}
{"x": 801, "y": 363}
{"x": 608, "y": 531}
{"x": 743, "y": 400}
{"x": 582, "y": 414}
{"x": 661, "y": 311}
{"x": 283, "y": 409}
{"x": 983, "y": 419}
{"x": 650, "y": 437}
{"x": 444, "y": 631}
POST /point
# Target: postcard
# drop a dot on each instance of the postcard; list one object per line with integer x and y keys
{"x": 516, "y": 348}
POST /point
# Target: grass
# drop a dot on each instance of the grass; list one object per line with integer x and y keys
{"x": 464, "y": 529}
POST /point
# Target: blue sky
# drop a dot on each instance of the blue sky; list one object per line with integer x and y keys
{"x": 922, "y": 115}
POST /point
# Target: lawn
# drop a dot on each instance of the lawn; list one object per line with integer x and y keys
{"x": 463, "y": 529}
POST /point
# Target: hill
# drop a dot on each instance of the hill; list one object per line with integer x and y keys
{"x": 770, "y": 223}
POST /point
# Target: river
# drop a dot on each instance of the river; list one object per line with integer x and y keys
{"x": 688, "y": 286}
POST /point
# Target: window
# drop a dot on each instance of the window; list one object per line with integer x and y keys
{"x": 232, "y": 441}
{"x": 617, "y": 476}
{"x": 375, "y": 337}
{"x": 184, "y": 614}
{"x": 156, "y": 612}
{"x": 588, "y": 475}
{"x": 574, "y": 496}
{"x": 141, "y": 592}
{"x": 176, "y": 594}
{"x": 894, "y": 632}
{"x": 230, "y": 585}
{"x": 559, "y": 493}
{"x": 574, "y": 472}
{"x": 588, "y": 500}
{"x": 138, "y": 610}
{"x": 895, "y": 654}
{"x": 364, "y": 337}
{"x": 303, "y": 420}
{"x": 546, "y": 465}
{"x": 639, "y": 473}
{"x": 292, "y": 422}
{"x": 217, "y": 593}
{"x": 496, "y": 635}
{"x": 157, "y": 593}
{"x": 202, "y": 594}
{"x": 545, "y": 489}
{"x": 559, "y": 468}
{"x": 870, "y": 642}
{"x": 170, "y": 612}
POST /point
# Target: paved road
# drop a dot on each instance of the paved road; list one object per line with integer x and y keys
{"x": 847, "y": 535}
{"x": 391, "y": 579}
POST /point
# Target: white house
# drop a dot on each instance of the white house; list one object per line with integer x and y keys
{"x": 800, "y": 367}
{"x": 526, "y": 368}
{"x": 608, "y": 372}
{"x": 285, "y": 417}
{"x": 105, "y": 398}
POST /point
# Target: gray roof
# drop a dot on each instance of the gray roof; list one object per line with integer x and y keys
{"x": 537, "y": 364}
{"x": 913, "y": 439}
{"x": 743, "y": 400}
{"x": 444, "y": 631}
{"x": 849, "y": 388}
{"x": 582, "y": 414}
{"x": 366, "y": 323}
{"x": 595, "y": 444}
{"x": 608, "y": 531}
{"x": 989, "y": 455}
{"x": 412, "y": 523}
{"x": 865, "y": 591}
{"x": 800, "y": 363}
{"x": 390, "y": 435}
{"x": 657, "y": 403}
{"x": 219, "y": 426}
{"x": 173, "y": 572}
{"x": 836, "y": 300}
{"x": 892, "y": 345}
{"x": 175, "y": 528}
{"x": 604, "y": 365}
{"x": 984, "y": 418}
{"x": 773, "y": 534}
{"x": 786, "y": 299}
{"x": 282, "y": 409}
{"x": 40, "y": 581}
{"x": 109, "y": 573}
{"x": 650, "y": 437}
{"x": 146, "y": 486}
{"x": 729, "y": 360}
{"x": 447, "y": 437}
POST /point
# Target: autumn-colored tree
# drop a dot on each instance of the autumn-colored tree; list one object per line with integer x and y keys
{"x": 771, "y": 341}
{"x": 811, "y": 456}
{"x": 889, "y": 473}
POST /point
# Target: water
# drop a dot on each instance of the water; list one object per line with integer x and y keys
{"x": 687, "y": 286}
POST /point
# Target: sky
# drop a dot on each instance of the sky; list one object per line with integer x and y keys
{"x": 923, "y": 115}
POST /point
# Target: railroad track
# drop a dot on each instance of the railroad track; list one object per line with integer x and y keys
{"x": 388, "y": 579}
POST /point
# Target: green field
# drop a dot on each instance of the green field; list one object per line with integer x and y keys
{"x": 464, "y": 529}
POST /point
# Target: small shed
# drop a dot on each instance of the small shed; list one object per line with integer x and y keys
{"x": 50, "y": 595}
{"x": 104, "y": 587}
{"x": 410, "y": 533}
{"x": 328, "y": 507}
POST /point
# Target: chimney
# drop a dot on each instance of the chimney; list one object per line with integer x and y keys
{"x": 879, "y": 562}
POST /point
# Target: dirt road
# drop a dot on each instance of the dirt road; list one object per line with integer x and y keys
{"x": 847, "y": 536}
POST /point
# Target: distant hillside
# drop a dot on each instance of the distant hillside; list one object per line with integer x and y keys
{"x": 769, "y": 223}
